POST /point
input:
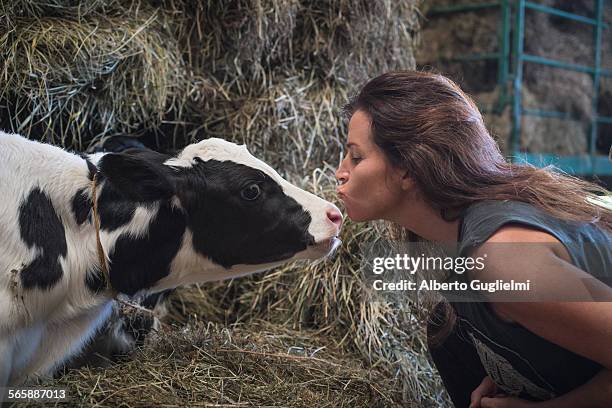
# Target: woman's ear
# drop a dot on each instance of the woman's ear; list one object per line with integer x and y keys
{"x": 400, "y": 179}
{"x": 407, "y": 183}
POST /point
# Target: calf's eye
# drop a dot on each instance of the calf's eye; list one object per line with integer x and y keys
{"x": 251, "y": 193}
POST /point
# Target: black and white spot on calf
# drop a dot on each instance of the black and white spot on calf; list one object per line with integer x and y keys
{"x": 212, "y": 212}
{"x": 81, "y": 206}
{"x": 42, "y": 230}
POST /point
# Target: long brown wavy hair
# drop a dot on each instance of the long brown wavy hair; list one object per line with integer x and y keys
{"x": 425, "y": 124}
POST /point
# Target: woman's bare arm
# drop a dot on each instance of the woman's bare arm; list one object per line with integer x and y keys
{"x": 583, "y": 327}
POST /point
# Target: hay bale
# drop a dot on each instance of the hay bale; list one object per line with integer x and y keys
{"x": 552, "y": 134}
{"x": 446, "y": 36}
{"x": 270, "y": 73}
{"x": 71, "y": 80}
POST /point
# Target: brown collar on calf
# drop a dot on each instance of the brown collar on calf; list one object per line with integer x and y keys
{"x": 101, "y": 256}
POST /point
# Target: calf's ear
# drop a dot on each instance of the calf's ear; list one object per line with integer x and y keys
{"x": 191, "y": 187}
{"x": 137, "y": 178}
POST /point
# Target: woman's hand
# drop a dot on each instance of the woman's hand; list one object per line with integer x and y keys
{"x": 506, "y": 402}
{"x": 486, "y": 396}
{"x": 486, "y": 388}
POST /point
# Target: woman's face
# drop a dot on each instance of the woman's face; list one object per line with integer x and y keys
{"x": 370, "y": 187}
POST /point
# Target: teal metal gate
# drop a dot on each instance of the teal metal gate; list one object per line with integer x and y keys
{"x": 510, "y": 61}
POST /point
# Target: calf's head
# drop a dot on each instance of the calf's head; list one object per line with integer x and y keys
{"x": 240, "y": 214}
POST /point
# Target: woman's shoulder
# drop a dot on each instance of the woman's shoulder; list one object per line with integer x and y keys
{"x": 501, "y": 208}
{"x": 481, "y": 220}
{"x": 584, "y": 244}
{"x": 507, "y": 220}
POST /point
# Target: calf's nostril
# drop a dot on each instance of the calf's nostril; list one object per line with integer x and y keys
{"x": 335, "y": 217}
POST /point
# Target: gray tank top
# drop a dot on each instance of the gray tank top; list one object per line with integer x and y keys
{"x": 520, "y": 362}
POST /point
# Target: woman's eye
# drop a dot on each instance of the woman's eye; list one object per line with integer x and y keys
{"x": 355, "y": 159}
{"x": 251, "y": 193}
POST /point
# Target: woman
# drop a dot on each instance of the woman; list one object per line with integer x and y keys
{"x": 420, "y": 157}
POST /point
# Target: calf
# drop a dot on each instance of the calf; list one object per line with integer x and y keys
{"x": 76, "y": 231}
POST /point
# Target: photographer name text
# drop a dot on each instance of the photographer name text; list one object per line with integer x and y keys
{"x": 432, "y": 284}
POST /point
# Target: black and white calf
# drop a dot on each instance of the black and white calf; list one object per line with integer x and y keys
{"x": 212, "y": 212}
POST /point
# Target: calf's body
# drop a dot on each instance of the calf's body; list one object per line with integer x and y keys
{"x": 212, "y": 212}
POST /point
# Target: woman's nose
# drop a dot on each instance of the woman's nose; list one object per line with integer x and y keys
{"x": 341, "y": 174}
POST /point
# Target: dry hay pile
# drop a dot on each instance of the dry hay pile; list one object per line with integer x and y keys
{"x": 544, "y": 88}
{"x": 272, "y": 74}
{"x": 252, "y": 365}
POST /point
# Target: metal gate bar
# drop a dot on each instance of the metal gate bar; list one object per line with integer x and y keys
{"x": 589, "y": 163}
